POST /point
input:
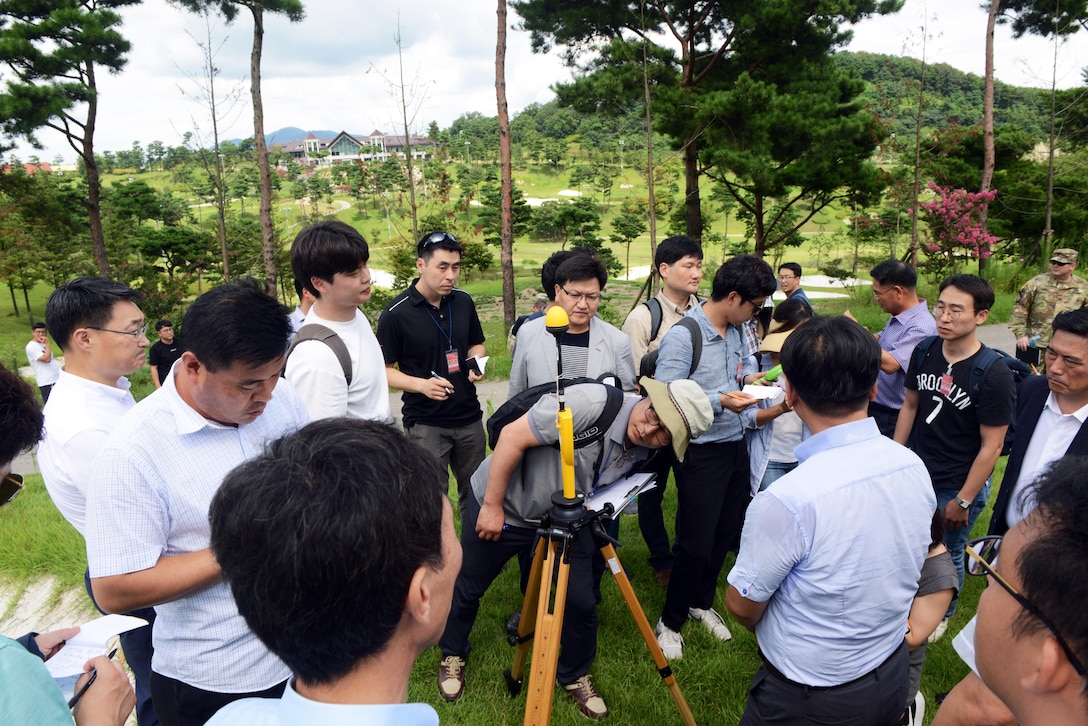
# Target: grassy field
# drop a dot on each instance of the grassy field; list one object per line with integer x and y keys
{"x": 36, "y": 541}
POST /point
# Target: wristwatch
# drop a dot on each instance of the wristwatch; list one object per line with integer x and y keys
{"x": 964, "y": 504}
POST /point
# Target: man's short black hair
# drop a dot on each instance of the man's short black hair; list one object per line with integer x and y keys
{"x": 979, "y": 290}
{"x": 673, "y": 249}
{"x": 581, "y": 267}
{"x": 895, "y": 272}
{"x": 320, "y": 536}
{"x": 20, "y": 418}
{"x": 792, "y": 267}
{"x": 746, "y": 275}
{"x": 164, "y": 323}
{"x": 437, "y": 240}
{"x": 551, "y": 265}
{"x": 84, "y": 302}
{"x": 1072, "y": 321}
{"x": 235, "y": 323}
{"x": 1053, "y": 564}
{"x": 324, "y": 249}
{"x": 38, "y": 326}
{"x": 832, "y": 364}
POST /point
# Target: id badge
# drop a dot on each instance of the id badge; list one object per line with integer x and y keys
{"x": 946, "y": 385}
{"x": 453, "y": 361}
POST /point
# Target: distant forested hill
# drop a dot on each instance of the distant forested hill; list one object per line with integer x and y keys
{"x": 952, "y": 97}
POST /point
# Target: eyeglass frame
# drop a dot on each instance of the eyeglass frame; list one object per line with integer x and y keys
{"x": 10, "y": 487}
{"x": 939, "y": 310}
{"x": 1058, "y": 263}
{"x": 577, "y": 297}
{"x": 141, "y": 331}
{"x": 654, "y": 420}
{"x": 974, "y": 556}
{"x": 884, "y": 291}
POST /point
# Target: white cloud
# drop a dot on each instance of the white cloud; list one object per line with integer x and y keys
{"x": 320, "y": 73}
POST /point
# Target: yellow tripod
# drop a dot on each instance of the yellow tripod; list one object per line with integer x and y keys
{"x": 541, "y": 612}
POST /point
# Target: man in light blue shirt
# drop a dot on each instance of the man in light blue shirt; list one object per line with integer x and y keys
{"x": 345, "y": 594}
{"x": 829, "y": 593}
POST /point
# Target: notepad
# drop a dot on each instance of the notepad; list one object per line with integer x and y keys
{"x": 92, "y": 640}
{"x": 478, "y": 363}
{"x": 622, "y": 492}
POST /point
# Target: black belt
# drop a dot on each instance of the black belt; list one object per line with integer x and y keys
{"x": 778, "y": 674}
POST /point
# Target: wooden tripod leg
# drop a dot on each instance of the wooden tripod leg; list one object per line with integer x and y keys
{"x": 527, "y": 624}
{"x": 549, "y": 631}
{"x": 613, "y": 562}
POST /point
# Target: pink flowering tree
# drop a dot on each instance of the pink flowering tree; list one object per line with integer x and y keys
{"x": 954, "y": 218}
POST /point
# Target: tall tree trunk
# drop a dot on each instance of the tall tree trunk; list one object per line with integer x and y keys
{"x": 94, "y": 183}
{"x": 407, "y": 138}
{"x": 220, "y": 195}
{"x": 14, "y": 302}
{"x": 1048, "y": 231}
{"x": 506, "y": 205}
{"x": 649, "y": 154}
{"x": 916, "y": 189}
{"x": 268, "y": 231}
{"x": 988, "y": 153}
{"x": 692, "y": 208}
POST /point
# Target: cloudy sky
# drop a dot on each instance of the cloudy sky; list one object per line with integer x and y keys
{"x": 327, "y": 71}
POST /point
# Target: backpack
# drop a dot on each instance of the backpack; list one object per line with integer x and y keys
{"x": 985, "y": 360}
{"x": 515, "y": 408}
{"x": 314, "y": 331}
{"x": 648, "y": 365}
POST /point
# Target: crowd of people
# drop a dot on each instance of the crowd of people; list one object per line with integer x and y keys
{"x": 244, "y": 508}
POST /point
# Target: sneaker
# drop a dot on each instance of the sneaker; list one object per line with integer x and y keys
{"x": 918, "y": 712}
{"x": 713, "y": 622}
{"x": 451, "y": 677}
{"x": 670, "y": 641}
{"x": 939, "y": 632}
{"x": 588, "y": 699}
{"x": 513, "y": 623}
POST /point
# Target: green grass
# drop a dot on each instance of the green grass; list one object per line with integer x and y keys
{"x": 36, "y": 541}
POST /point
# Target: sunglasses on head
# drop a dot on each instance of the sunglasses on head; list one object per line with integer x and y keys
{"x": 436, "y": 238}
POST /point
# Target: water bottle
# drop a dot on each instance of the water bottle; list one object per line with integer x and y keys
{"x": 1033, "y": 340}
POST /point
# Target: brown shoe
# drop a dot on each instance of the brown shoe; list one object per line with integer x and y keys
{"x": 451, "y": 677}
{"x": 663, "y": 576}
{"x": 589, "y": 701}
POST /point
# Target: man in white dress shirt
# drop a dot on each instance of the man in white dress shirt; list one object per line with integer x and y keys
{"x": 147, "y": 519}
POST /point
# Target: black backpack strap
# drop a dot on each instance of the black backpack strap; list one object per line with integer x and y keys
{"x": 655, "y": 317}
{"x": 922, "y": 350}
{"x": 984, "y": 361}
{"x": 313, "y": 331}
{"x": 696, "y": 341}
{"x": 612, "y": 405}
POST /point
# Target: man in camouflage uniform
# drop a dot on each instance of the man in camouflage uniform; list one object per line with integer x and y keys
{"x": 1040, "y": 299}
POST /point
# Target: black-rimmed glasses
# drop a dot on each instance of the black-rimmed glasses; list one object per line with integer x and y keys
{"x": 981, "y": 555}
{"x": 589, "y": 297}
{"x": 136, "y": 334}
{"x": 10, "y": 486}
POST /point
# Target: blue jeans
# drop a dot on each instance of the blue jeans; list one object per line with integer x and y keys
{"x": 776, "y": 470}
{"x": 956, "y": 539}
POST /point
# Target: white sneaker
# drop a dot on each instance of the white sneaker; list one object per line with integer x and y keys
{"x": 939, "y": 632}
{"x": 671, "y": 642}
{"x": 919, "y": 710}
{"x": 713, "y": 622}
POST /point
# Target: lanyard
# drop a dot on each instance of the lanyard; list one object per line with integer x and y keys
{"x": 448, "y": 337}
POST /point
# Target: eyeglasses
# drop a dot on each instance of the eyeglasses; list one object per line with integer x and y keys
{"x": 1059, "y": 263}
{"x": 658, "y": 425}
{"x": 436, "y": 238}
{"x": 589, "y": 297}
{"x": 878, "y": 293}
{"x": 10, "y": 486}
{"x": 136, "y": 334}
{"x": 756, "y": 304}
{"x": 982, "y": 553}
{"x": 939, "y": 311}
{"x": 787, "y": 277}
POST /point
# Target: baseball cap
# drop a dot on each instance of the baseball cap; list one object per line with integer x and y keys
{"x": 683, "y": 408}
{"x": 1064, "y": 255}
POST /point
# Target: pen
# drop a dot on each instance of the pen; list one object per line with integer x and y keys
{"x": 436, "y": 376}
{"x": 83, "y": 689}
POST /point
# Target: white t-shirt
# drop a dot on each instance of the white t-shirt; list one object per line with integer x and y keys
{"x": 46, "y": 374}
{"x": 317, "y": 375}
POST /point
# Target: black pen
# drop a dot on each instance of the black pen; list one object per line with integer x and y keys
{"x": 83, "y": 689}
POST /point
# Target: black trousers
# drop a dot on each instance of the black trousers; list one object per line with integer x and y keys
{"x": 481, "y": 563}
{"x": 875, "y": 699}
{"x": 713, "y": 490}
{"x": 179, "y": 704}
{"x": 651, "y": 520}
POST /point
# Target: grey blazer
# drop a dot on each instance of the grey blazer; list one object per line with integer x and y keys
{"x": 534, "y": 355}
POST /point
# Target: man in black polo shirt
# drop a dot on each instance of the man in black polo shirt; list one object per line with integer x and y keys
{"x": 427, "y": 335}
{"x": 164, "y": 353}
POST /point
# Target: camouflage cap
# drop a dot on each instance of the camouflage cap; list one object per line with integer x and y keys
{"x": 1064, "y": 255}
